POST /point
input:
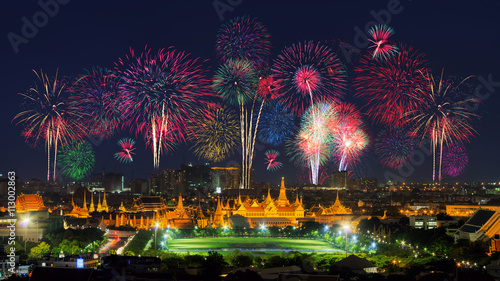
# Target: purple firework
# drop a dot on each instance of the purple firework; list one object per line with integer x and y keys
{"x": 455, "y": 160}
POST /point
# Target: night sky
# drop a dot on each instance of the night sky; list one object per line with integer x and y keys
{"x": 462, "y": 37}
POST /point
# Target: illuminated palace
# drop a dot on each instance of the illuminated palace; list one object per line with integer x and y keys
{"x": 147, "y": 211}
{"x": 29, "y": 202}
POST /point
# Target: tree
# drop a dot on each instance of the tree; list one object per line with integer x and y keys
{"x": 214, "y": 264}
{"x": 40, "y": 251}
{"x": 240, "y": 259}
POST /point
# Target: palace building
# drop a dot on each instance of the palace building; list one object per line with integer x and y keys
{"x": 29, "y": 203}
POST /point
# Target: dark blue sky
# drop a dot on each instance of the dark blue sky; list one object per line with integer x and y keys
{"x": 460, "y": 36}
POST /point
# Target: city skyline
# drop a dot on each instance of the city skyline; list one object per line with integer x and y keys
{"x": 81, "y": 47}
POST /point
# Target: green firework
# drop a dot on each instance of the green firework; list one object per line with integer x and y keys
{"x": 77, "y": 159}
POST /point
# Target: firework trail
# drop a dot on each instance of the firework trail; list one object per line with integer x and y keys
{"x": 51, "y": 116}
{"x": 271, "y": 162}
{"x": 308, "y": 72}
{"x": 348, "y": 138}
{"x": 390, "y": 88}
{"x": 380, "y": 37}
{"x": 237, "y": 81}
{"x": 394, "y": 147}
{"x": 77, "y": 159}
{"x": 277, "y": 124}
{"x": 455, "y": 160}
{"x": 216, "y": 137}
{"x": 159, "y": 93}
{"x": 444, "y": 117}
{"x": 244, "y": 38}
{"x": 127, "y": 146}
{"x": 96, "y": 93}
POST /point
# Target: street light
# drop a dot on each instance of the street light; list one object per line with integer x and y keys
{"x": 156, "y": 228}
{"x": 26, "y": 221}
{"x": 346, "y": 229}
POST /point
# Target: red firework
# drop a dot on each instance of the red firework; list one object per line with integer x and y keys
{"x": 268, "y": 88}
{"x": 160, "y": 94}
{"x": 380, "y": 38}
{"x": 96, "y": 93}
{"x": 271, "y": 162}
{"x": 127, "y": 146}
{"x": 392, "y": 87}
{"x": 309, "y": 72}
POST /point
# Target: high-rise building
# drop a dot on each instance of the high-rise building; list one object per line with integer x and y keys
{"x": 339, "y": 179}
{"x": 197, "y": 176}
{"x": 111, "y": 182}
{"x": 225, "y": 178}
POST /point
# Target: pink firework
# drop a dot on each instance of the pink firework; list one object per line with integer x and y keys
{"x": 127, "y": 146}
{"x": 309, "y": 72}
{"x": 271, "y": 162}
{"x": 380, "y": 37}
{"x": 349, "y": 139}
{"x": 391, "y": 88}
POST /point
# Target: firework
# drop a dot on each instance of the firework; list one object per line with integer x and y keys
{"x": 392, "y": 87}
{"x": 76, "y": 159}
{"x": 380, "y": 37}
{"x": 277, "y": 124}
{"x": 444, "y": 116}
{"x": 96, "y": 93}
{"x": 394, "y": 146}
{"x": 160, "y": 92}
{"x": 455, "y": 160}
{"x": 271, "y": 162}
{"x": 311, "y": 145}
{"x": 127, "y": 146}
{"x": 215, "y": 139}
{"x": 51, "y": 116}
{"x": 243, "y": 38}
{"x": 348, "y": 138}
{"x": 236, "y": 81}
{"x": 308, "y": 72}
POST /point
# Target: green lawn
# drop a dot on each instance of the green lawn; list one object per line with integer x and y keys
{"x": 254, "y": 244}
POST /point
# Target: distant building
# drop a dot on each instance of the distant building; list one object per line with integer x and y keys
{"x": 424, "y": 222}
{"x": 196, "y": 176}
{"x": 467, "y": 210}
{"x": 139, "y": 187}
{"x": 225, "y": 178}
{"x": 111, "y": 182}
{"x": 339, "y": 179}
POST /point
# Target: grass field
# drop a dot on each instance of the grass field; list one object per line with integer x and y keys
{"x": 253, "y": 244}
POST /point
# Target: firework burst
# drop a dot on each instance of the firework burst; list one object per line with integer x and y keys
{"x": 308, "y": 72}
{"x": 243, "y": 38}
{"x": 215, "y": 138}
{"x": 277, "y": 124}
{"x": 394, "y": 147}
{"x": 311, "y": 146}
{"x": 76, "y": 159}
{"x": 96, "y": 93}
{"x": 392, "y": 87}
{"x": 236, "y": 81}
{"x": 127, "y": 147}
{"x": 455, "y": 160}
{"x": 380, "y": 38}
{"x": 51, "y": 116}
{"x": 348, "y": 137}
{"x": 444, "y": 117}
{"x": 271, "y": 162}
{"x": 160, "y": 92}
